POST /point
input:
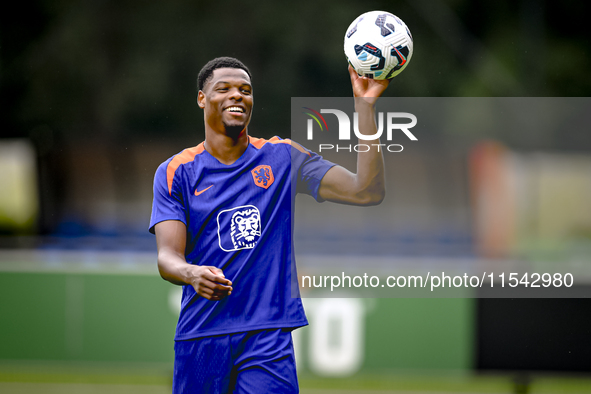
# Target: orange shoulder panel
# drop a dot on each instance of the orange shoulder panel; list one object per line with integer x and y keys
{"x": 259, "y": 142}
{"x": 185, "y": 156}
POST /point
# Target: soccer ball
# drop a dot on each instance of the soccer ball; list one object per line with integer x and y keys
{"x": 378, "y": 45}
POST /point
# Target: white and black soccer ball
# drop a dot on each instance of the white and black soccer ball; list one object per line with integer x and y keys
{"x": 378, "y": 45}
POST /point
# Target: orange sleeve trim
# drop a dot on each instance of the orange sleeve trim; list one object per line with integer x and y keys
{"x": 259, "y": 142}
{"x": 186, "y": 156}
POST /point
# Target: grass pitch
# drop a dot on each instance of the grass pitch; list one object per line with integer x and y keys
{"x": 17, "y": 377}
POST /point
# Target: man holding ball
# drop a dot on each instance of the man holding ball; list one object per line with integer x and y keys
{"x": 222, "y": 218}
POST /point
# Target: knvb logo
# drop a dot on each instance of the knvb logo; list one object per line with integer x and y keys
{"x": 345, "y": 129}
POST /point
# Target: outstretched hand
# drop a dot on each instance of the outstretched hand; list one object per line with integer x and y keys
{"x": 366, "y": 87}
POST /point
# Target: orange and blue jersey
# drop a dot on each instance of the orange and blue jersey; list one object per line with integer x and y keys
{"x": 239, "y": 218}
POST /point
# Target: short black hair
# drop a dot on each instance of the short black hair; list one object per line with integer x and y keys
{"x": 219, "y": 62}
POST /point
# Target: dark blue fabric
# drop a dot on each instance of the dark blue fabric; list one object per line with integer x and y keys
{"x": 251, "y": 362}
{"x": 241, "y": 222}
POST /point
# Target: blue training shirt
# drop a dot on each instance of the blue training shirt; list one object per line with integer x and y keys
{"x": 238, "y": 218}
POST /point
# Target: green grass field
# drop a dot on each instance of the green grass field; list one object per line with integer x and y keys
{"x": 115, "y": 378}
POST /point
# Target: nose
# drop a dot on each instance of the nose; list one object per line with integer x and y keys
{"x": 236, "y": 94}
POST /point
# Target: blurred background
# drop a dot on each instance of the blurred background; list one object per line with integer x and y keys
{"x": 95, "y": 95}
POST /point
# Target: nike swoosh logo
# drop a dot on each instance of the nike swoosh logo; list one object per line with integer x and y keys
{"x": 197, "y": 192}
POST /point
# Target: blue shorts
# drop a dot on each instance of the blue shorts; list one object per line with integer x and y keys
{"x": 260, "y": 361}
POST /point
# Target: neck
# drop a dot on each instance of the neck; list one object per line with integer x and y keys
{"x": 226, "y": 148}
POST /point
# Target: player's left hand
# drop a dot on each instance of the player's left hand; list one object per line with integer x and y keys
{"x": 366, "y": 87}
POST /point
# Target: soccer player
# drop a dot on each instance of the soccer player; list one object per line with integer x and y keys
{"x": 222, "y": 218}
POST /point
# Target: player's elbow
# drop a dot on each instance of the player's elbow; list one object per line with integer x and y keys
{"x": 162, "y": 268}
{"x": 371, "y": 192}
{"x": 371, "y": 196}
{"x": 378, "y": 197}
{"x": 374, "y": 198}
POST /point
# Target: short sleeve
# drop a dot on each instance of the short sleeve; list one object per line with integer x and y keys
{"x": 168, "y": 203}
{"x": 309, "y": 168}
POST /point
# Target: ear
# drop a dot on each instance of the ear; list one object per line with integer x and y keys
{"x": 201, "y": 99}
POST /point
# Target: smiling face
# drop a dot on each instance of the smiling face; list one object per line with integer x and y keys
{"x": 227, "y": 101}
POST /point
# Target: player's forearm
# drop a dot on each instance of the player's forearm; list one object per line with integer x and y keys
{"x": 370, "y": 178}
{"x": 174, "y": 268}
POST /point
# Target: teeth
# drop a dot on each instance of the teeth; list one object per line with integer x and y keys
{"x": 235, "y": 109}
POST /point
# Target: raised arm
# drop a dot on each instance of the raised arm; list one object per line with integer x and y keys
{"x": 367, "y": 186}
{"x": 209, "y": 282}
